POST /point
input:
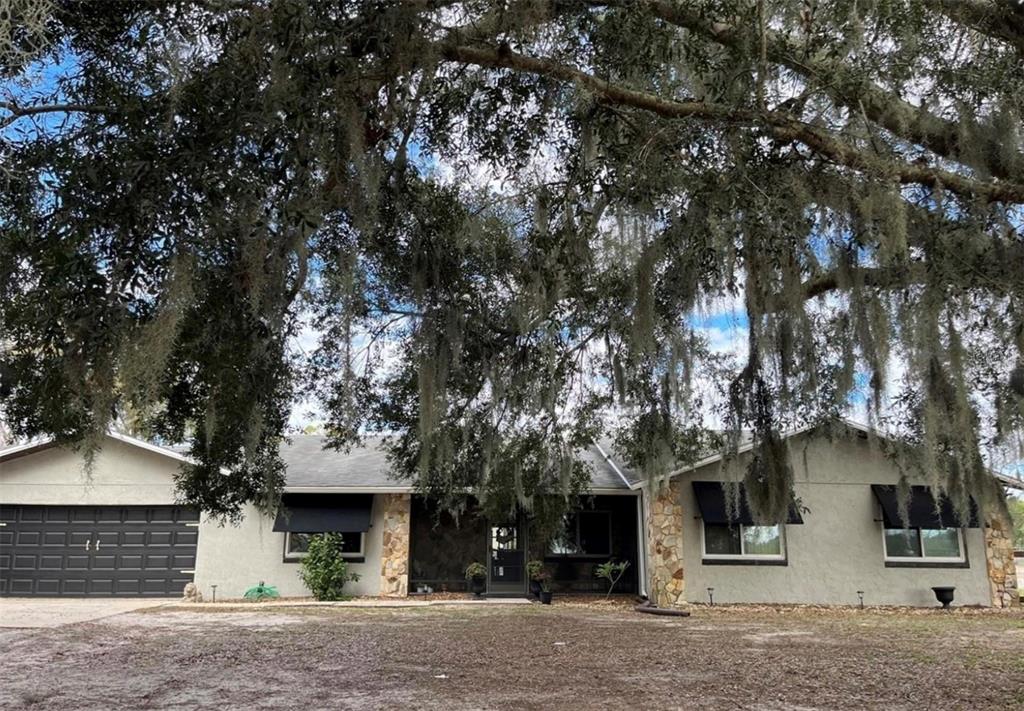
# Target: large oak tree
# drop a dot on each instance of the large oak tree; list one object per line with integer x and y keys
{"x": 502, "y": 217}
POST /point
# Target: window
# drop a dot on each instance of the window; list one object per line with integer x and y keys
{"x": 587, "y": 533}
{"x": 739, "y": 541}
{"x": 297, "y": 544}
{"x": 927, "y": 544}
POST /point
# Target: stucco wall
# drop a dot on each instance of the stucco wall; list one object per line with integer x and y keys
{"x": 236, "y": 557}
{"x": 838, "y": 549}
{"x": 122, "y": 475}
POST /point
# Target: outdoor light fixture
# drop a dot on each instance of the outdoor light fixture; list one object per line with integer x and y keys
{"x": 860, "y": 594}
{"x": 711, "y": 596}
{"x": 214, "y": 597}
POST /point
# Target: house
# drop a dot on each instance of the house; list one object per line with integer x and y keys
{"x": 120, "y": 532}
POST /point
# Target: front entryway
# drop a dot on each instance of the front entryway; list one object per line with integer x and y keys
{"x": 140, "y": 551}
{"x": 506, "y": 569}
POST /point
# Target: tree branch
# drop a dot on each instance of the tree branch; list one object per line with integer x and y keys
{"x": 999, "y": 19}
{"x": 779, "y": 125}
{"x": 899, "y": 117}
{"x": 20, "y": 111}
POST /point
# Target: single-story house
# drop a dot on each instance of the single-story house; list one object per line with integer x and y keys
{"x": 120, "y": 531}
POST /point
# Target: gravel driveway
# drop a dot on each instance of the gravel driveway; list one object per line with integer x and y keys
{"x": 518, "y": 657}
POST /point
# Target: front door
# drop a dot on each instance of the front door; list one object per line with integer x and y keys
{"x": 506, "y": 570}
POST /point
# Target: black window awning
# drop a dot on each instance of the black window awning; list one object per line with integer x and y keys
{"x": 711, "y": 502}
{"x": 921, "y": 509}
{"x": 316, "y": 513}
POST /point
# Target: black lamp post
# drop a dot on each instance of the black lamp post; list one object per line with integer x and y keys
{"x": 711, "y": 596}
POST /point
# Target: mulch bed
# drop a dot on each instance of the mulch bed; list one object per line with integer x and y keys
{"x": 580, "y": 652}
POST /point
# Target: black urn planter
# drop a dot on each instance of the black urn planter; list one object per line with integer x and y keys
{"x": 545, "y": 597}
{"x": 477, "y": 586}
{"x": 944, "y": 595}
{"x": 535, "y": 588}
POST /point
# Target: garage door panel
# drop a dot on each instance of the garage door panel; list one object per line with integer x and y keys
{"x": 55, "y": 538}
{"x": 101, "y": 586}
{"x": 78, "y": 539}
{"x": 133, "y": 538}
{"x": 186, "y": 538}
{"x": 157, "y": 561}
{"x": 24, "y": 562}
{"x": 184, "y": 562}
{"x": 104, "y": 562}
{"x": 127, "y": 586}
{"x": 160, "y": 538}
{"x": 86, "y": 514}
{"x": 77, "y": 562}
{"x": 6, "y": 538}
{"x": 30, "y": 514}
{"x": 57, "y": 514}
{"x": 74, "y": 586}
{"x": 51, "y": 562}
{"x": 29, "y": 538}
{"x": 5, "y": 562}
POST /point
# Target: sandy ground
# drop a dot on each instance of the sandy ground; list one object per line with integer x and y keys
{"x": 532, "y": 657}
{"x": 53, "y": 612}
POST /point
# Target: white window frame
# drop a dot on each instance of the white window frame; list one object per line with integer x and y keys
{"x": 299, "y": 555}
{"x": 742, "y": 555}
{"x": 962, "y": 558}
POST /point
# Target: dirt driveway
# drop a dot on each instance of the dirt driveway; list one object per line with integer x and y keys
{"x": 53, "y": 612}
{"x": 518, "y": 657}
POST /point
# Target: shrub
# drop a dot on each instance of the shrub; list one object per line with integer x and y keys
{"x": 475, "y": 570}
{"x": 612, "y": 572}
{"x": 324, "y": 570}
{"x": 534, "y": 569}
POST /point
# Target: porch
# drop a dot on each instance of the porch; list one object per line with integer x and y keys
{"x": 604, "y": 528}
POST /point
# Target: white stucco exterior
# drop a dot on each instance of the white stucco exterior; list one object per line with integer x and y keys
{"x": 236, "y": 557}
{"x": 838, "y": 550}
{"x": 122, "y": 475}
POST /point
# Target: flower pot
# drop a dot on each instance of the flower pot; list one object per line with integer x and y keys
{"x": 545, "y": 597}
{"x": 477, "y": 586}
{"x": 535, "y": 588}
{"x": 944, "y": 595}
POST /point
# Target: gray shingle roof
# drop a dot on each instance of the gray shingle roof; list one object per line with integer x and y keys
{"x": 310, "y": 465}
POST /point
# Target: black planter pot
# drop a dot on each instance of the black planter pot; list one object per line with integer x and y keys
{"x": 535, "y": 588}
{"x": 944, "y": 595}
{"x": 545, "y": 597}
{"x": 477, "y": 586}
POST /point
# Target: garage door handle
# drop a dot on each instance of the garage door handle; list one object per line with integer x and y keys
{"x": 97, "y": 545}
{"x": 87, "y": 545}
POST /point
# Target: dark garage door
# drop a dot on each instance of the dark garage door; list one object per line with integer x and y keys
{"x": 97, "y": 550}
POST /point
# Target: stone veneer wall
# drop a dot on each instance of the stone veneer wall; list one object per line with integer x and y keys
{"x": 665, "y": 537}
{"x": 394, "y": 555}
{"x": 1002, "y": 571}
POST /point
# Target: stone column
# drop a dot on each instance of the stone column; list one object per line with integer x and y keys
{"x": 665, "y": 541}
{"x": 1002, "y": 571}
{"x": 394, "y": 554}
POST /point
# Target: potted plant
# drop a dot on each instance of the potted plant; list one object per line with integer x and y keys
{"x": 545, "y": 588}
{"x": 476, "y": 574}
{"x": 535, "y": 569}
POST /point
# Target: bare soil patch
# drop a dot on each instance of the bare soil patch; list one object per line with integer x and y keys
{"x": 570, "y": 655}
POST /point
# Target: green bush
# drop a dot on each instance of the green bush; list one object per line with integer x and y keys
{"x": 324, "y": 570}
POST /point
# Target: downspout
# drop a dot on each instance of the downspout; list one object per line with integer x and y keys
{"x": 641, "y": 538}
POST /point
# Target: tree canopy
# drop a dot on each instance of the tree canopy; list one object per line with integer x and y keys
{"x": 503, "y": 219}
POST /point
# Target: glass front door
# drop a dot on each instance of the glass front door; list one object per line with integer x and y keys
{"x": 506, "y": 559}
